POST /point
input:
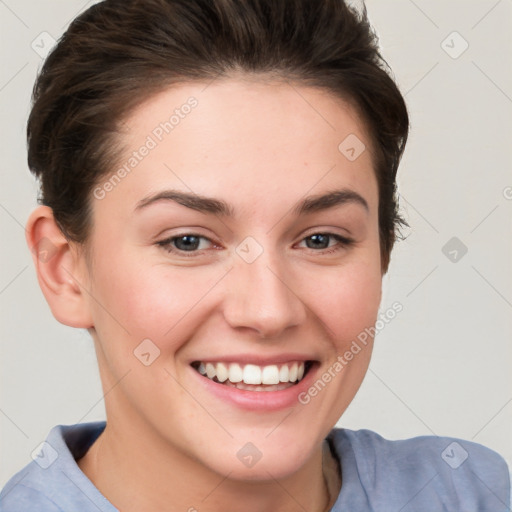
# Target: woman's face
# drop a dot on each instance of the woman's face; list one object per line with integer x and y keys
{"x": 241, "y": 239}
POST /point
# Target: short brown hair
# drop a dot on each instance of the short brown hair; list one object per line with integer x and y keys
{"x": 118, "y": 53}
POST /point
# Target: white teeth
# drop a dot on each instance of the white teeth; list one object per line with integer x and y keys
{"x": 252, "y": 374}
{"x": 236, "y": 373}
{"x": 284, "y": 373}
{"x": 293, "y": 372}
{"x": 300, "y": 372}
{"x": 222, "y": 372}
{"x": 251, "y": 387}
{"x": 270, "y": 375}
{"x": 210, "y": 370}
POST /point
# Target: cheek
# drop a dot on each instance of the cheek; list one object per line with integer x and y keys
{"x": 347, "y": 300}
{"x": 135, "y": 299}
{"x": 139, "y": 300}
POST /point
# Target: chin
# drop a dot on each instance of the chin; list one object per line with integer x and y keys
{"x": 260, "y": 458}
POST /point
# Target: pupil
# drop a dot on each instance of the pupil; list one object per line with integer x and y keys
{"x": 191, "y": 242}
{"x": 323, "y": 239}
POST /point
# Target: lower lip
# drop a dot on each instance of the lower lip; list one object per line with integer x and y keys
{"x": 259, "y": 400}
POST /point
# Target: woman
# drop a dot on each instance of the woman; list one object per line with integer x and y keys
{"x": 218, "y": 210}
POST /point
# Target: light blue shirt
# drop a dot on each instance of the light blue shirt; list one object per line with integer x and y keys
{"x": 421, "y": 474}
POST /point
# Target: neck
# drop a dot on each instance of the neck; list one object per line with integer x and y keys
{"x": 143, "y": 473}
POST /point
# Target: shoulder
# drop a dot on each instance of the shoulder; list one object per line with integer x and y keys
{"x": 453, "y": 452}
{"x": 16, "y": 497}
{"x": 53, "y": 481}
{"x": 443, "y": 471}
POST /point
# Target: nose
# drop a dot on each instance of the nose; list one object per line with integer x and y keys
{"x": 261, "y": 296}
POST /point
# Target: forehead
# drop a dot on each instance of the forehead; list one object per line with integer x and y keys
{"x": 243, "y": 140}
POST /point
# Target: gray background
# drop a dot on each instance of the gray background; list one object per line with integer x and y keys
{"x": 443, "y": 365}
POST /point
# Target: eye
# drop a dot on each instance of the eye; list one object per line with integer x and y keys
{"x": 321, "y": 241}
{"x": 188, "y": 242}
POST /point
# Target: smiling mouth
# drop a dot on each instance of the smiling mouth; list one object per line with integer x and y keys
{"x": 250, "y": 377}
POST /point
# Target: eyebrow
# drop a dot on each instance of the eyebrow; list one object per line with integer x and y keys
{"x": 329, "y": 200}
{"x": 211, "y": 205}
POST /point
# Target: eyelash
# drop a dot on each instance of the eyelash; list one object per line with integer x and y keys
{"x": 167, "y": 244}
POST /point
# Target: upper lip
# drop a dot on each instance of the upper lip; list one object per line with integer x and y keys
{"x": 258, "y": 360}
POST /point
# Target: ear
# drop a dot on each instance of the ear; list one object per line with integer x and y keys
{"x": 61, "y": 269}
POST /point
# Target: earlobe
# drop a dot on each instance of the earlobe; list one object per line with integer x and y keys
{"x": 60, "y": 269}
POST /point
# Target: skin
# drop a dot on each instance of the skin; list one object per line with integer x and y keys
{"x": 262, "y": 147}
